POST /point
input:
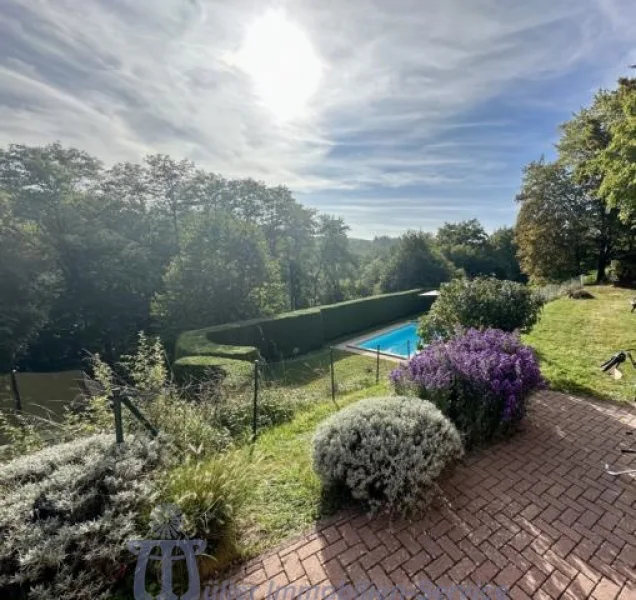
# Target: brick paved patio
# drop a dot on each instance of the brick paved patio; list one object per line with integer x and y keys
{"x": 536, "y": 515}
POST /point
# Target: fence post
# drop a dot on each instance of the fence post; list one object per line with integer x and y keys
{"x": 255, "y": 406}
{"x": 333, "y": 378}
{"x": 408, "y": 348}
{"x": 377, "y": 366}
{"x": 16, "y": 391}
{"x": 119, "y": 426}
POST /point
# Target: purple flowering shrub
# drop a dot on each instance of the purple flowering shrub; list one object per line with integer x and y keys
{"x": 480, "y": 379}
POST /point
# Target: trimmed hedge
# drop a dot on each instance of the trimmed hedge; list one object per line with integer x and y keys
{"x": 289, "y": 334}
{"x": 282, "y": 336}
{"x": 353, "y": 316}
{"x": 196, "y": 343}
{"x": 194, "y": 369}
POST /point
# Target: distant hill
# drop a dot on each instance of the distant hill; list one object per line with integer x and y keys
{"x": 365, "y": 248}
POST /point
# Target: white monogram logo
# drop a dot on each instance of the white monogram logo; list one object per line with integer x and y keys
{"x": 166, "y": 523}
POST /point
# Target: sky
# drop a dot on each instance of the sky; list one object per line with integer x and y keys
{"x": 393, "y": 114}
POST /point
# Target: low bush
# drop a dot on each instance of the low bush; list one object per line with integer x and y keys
{"x": 480, "y": 303}
{"x": 66, "y": 513}
{"x": 481, "y": 380}
{"x": 209, "y": 494}
{"x": 553, "y": 291}
{"x": 580, "y": 294}
{"x": 387, "y": 452}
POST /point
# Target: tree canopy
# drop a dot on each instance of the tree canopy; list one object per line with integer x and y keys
{"x": 577, "y": 213}
{"x": 91, "y": 254}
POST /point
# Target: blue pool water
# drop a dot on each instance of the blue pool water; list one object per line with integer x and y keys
{"x": 397, "y": 341}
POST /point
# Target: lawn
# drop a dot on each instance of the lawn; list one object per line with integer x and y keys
{"x": 574, "y": 337}
{"x": 287, "y": 494}
{"x": 311, "y": 372}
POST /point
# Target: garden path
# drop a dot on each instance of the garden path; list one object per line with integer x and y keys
{"x": 536, "y": 515}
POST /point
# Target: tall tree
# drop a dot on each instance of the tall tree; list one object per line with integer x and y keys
{"x": 588, "y": 147}
{"x": 503, "y": 249}
{"x": 171, "y": 185}
{"x": 29, "y": 285}
{"x": 415, "y": 262}
{"x": 553, "y": 224}
{"x": 335, "y": 263}
{"x": 224, "y": 273}
{"x": 465, "y": 244}
{"x": 616, "y": 162}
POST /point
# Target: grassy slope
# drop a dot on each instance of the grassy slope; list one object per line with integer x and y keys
{"x": 287, "y": 496}
{"x": 311, "y": 372}
{"x": 574, "y": 337}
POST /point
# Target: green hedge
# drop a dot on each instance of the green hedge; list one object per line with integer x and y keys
{"x": 197, "y": 343}
{"x": 194, "y": 369}
{"x": 298, "y": 332}
{"x": 282, "y": 336}
{"x": 346, "y": 318}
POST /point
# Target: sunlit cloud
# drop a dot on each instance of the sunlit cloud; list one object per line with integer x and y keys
{"x": 370, "y": 109}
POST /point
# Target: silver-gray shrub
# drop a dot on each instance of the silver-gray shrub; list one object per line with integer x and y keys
{"x": 66, "y": 513}
{"x": 387, "y": 452}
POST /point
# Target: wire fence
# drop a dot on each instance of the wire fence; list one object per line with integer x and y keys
{"x": 275, "y": 392}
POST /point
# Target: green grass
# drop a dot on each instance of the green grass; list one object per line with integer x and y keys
{"x": 312, "y": 371}
{"x": 573, "y": 337}
{"x": 287, "y": 494}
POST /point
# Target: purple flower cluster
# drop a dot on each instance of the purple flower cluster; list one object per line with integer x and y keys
{"x": 492, "y": 365}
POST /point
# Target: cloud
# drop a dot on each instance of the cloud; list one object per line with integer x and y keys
{"x": 417, "y": 100}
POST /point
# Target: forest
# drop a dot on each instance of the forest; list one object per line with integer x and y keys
{"x": 90, "y": 254}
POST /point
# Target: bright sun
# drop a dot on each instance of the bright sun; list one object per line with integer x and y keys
{"x": 284, "y": 67}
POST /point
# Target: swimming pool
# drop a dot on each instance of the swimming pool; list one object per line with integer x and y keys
{"x": 400, "y": 341}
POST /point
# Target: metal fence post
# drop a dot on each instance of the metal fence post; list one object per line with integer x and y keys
{"x": 119, "y": 426}
{"x": 16, "y": 391}
{"x": 408, "y": 348}
{"x": 333, "y": 378}
{"x": 377, "y": 366}
{"x": 255, "y": 406}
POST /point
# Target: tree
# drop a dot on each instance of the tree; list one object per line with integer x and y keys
{"x": 553, "y": 224}
{"x": 335, "y": 263}
{"x": 171, "y": 185}
{"x": 97, "y": 247}
{"x": 464, "y": 233}
{"x": 29, "y": 285}
{"x": 616, "y": 162}
{"x": 415, "y": 263}
{"x": 504, "y": 249}
{"x": 223, "y": 274}
{"x": 467, "y": 245}
{"x": 595, "y": 147}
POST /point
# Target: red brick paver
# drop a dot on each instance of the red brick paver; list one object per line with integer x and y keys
{"x": 536, "y": 516}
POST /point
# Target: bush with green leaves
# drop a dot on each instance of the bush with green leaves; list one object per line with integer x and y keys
{"x": 66, "y": 513}
{"x": 480, "y": 303}
{"x": 387, "y": 452}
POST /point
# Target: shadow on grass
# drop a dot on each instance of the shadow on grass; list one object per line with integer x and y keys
{"x": 572, "y": 386}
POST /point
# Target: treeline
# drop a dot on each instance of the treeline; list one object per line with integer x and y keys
{"x": 578, "y": 213}
{"x": 90, "y": 255}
